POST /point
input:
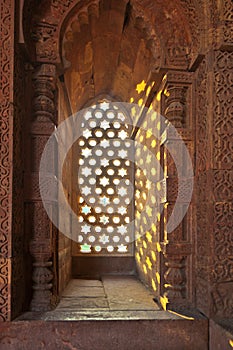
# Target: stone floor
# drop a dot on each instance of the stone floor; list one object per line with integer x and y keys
{"x": 111, "y": 297}
{"x": 115, "y": 312}
{"x": 111, "y": 293}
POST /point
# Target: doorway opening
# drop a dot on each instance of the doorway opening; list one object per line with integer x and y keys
{"x": 99, "y": 178}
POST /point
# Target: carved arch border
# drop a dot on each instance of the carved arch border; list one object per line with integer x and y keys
{"x": 42, "y": 33}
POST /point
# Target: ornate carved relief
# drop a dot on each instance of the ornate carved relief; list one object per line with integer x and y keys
{"x": 223, "y": 248}
{"x": 172, "y": 189}
{"x": 202, "y": 134}
{"x": 193, "y": 13}
{"x": 175, "y": 105}
{"x": 6, "y": 116}
{"x": 222, "y": 300}
{"x": 59, "y": 7}
{"x": 223, "y": 126}
{"x": 222, "y": 185}
{"x": 4, "y": 289}
{"x": 224, "y": 31}
{"x": 41, "y": 248}
{"x": 214, "y": 220}
{"x": 178, "y": 45}
{"x": 44, "y": 95}
{"x": 175, "y": 278}
{"x": 227, "y": 10}
{"x": 45, "y": 36}
{"x": 177, "y": 99}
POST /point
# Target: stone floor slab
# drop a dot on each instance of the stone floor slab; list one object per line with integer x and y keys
{"x": 85, "y": 283}
{"x": 76, "y": 304}
{"x": 127, "y": 293}
{"x": 87, "y": 292}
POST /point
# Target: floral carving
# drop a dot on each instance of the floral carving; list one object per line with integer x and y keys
{"x": 227, "y": 10}
{"x": 223, "y": 257}
{"x": 201, "y": 118}
{"x": 6, "y": 115}
{"x": 59, "y": 7}
{"x": 223, "y": 185}
{"x": 223, "y": 84}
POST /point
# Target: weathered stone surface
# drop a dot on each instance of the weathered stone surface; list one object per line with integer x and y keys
{"x": 127, "y": 293}
{"x": 87, "y": 292}
{"x": 78, "y": 303}
{"x": 83, "y": 283}
{"x": 98, "y": 335}
{"x": 220, "y": 337}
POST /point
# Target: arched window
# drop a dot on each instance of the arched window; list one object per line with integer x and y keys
{"x": 105, "y": 178}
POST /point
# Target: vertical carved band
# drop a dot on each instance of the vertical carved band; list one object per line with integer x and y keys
{"x": 44, "y": 118}
{"x": 6, "y": 116}
{"x": 176, "y": 245}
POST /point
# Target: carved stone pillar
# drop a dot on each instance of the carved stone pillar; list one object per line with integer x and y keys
{"x": 177, "y": 242}
{"x": 215, "y": 225}
{"x": 174, "y": 277}
{"x": 175, "y": 105}
{"x": 42, "y": 126}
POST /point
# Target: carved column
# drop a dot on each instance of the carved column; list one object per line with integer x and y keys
{"x": 176, "y": 243}
{"x": 219, "y": 179}
{"x": 175, "y": 105}
{"x": 214, "y": 171}
{"x": 42, "y": 126}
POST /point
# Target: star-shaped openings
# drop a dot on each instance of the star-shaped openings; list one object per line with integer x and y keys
{"x": 85, "y": 229}
{"x": 104, "y": 162}
{"x": 86, "y": 152}
{"x": 122, "y": 191}
{"x": 104, "y": 201}
{"x": 86, "y": 209}
{"x": 122, "y": 248}
{"x": 122, "y": 210}
{"x": 122, "y": 134}
{"x": 86, "y": 190}
{"x": 86, "y": 171}
{"x": 104, "y": 181}
{"x": 104, "y": 219}
{"x": 104, "y": 239}
{"x": 88, "y": 115}
{"x": 121, "y": 116}
{"x": 105, "y": 125}
{"x": 87, "y": 133}
{"x": 122, "y": 172}
{"x": 122, "y": 153}
{"x": 104, "y": 143}
{"x": 104, "y": 106}
{"x": 122, "y": 229}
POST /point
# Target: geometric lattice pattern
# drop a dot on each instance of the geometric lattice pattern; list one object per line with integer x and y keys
{"x": 104, "y": 177}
